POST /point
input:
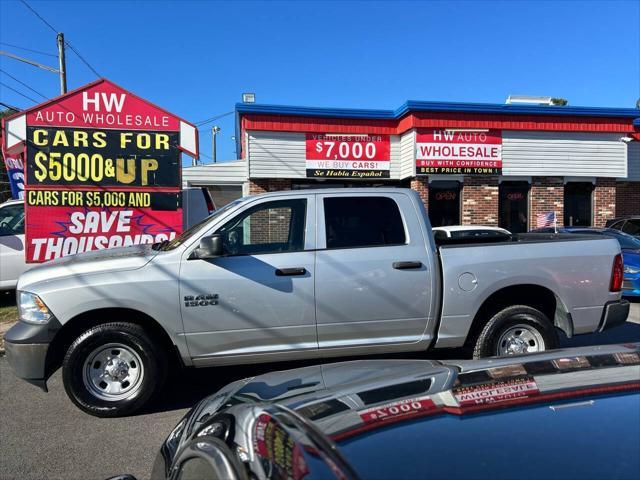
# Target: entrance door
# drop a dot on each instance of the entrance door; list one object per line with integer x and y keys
{"x": 261, "y": 292}
{"x": 444, "y": 203}
{"x": 578, "y": 204}
{"x": 514, "y": 206}
{"x": 373, "y": 284}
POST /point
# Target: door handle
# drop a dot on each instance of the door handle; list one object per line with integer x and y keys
{"x": 406, "y": 265}
{"x": 287, "y": 272}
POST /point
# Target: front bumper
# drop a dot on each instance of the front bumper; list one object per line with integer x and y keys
{"x": 614, "y": 314}
{"x": 26, "y": 348}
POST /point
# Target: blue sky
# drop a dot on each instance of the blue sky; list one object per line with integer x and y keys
{"x": 195, "y": 58}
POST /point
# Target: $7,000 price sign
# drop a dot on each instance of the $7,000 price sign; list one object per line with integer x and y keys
{"x": 347, "y": 155}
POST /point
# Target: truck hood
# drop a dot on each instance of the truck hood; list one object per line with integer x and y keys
{"x": 98, "y": 261}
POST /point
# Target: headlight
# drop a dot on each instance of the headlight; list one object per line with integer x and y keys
{"x": 32, "y": 309}
{"x": 632, "y": 270}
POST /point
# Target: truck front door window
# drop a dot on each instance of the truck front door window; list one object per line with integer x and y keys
{"x": 352, "y": 222}
{"x": 271, "y": 227}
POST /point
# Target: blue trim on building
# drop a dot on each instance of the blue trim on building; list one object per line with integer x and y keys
{"x": 419, "y": 106}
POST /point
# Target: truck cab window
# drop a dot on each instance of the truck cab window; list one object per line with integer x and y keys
{"x": 271, "y": 227}
{"x": 352, "y": 222}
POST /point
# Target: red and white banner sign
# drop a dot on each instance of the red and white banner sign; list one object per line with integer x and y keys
{"x": 60, "y": 231}
{"x": 496, "y": 392}
{"x": 103, "y": 105}
{"x": 348, "y": 155}
{"x": 459, "y": 152}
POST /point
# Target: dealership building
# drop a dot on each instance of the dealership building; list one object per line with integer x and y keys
{"x": 489, "y": 164}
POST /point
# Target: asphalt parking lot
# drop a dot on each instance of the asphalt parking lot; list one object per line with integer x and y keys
{"x": 43, "y": 436}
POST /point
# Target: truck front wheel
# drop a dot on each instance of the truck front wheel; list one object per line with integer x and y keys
{"x": 516, "y": 330}
{"x": 113, "y": 369}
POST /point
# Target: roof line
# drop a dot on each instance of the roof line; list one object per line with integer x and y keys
{"x": 424, "y": 106}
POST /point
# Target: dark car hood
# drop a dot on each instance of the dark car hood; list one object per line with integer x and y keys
{"x": 349, "y": 402}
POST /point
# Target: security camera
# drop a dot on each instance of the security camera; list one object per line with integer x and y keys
{"x": 626, "y": 139}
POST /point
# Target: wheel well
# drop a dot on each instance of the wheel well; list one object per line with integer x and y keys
{"x": 535, "y": 296}
{"x": 83, "y": 322}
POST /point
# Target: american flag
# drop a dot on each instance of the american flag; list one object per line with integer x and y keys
{"x": 546, "y": 219}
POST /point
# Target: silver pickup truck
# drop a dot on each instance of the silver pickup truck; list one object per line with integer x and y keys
{"x": 302, "y": 275}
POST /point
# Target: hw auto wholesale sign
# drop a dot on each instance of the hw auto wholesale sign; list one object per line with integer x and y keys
{"x": 347, "y": 155}
{"x": 103, "y": 170}
{"x": 459, "y": 152}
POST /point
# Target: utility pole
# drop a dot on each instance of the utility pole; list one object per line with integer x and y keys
{"x": 214, "y": 131}
{"x": 63, "y": 64}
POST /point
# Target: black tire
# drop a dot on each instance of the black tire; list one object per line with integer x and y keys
{"x": 486, "y": 345}
{"x": 134, "y": 338}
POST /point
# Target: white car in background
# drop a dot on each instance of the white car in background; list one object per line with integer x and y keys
{"x": 12, "y": 262}
{"x": 469, "y": 231}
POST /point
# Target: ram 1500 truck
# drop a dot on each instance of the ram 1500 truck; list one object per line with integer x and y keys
{"x": 299, "y": 275}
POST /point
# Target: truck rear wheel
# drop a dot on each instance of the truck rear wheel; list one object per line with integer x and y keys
{"x": 516, "y": 330}
{"x": 113, "y": 370}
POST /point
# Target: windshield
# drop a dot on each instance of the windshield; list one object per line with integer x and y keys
{"x": 188, "y": 233}
{"x": 12, "y": 219}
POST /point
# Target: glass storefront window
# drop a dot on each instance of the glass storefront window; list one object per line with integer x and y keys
{"x": 578, "y": 204}
{"x": 444, "y": 203}
{"x": 513, "y": 206}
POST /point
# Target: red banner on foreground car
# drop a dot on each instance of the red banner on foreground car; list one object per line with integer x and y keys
{"x": 466, "y": 152}
{"x": 103, "y": 170}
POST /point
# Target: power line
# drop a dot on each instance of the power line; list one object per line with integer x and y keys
{"x": 39, "y": 16}
{"x": 11, "y": 107}
{"x": 18, "y": 92}
{"x": 82, "y": 58}
{"x": 213, "y": 119}
{"x": 28, "y": 49}
{"x": 66, "y": 43}
{"x": 22, "y": 83}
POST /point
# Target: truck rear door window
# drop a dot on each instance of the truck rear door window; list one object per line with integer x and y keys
{"x": 352, "y": 222}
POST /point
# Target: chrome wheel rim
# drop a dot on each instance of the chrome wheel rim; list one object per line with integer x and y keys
{"x": 113, "y": 372}
{"x": 520, "y": 339}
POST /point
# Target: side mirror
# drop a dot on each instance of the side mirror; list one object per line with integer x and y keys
{"x": 210, "y": 247}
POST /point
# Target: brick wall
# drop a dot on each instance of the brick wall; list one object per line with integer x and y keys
{"x": 421, "y": 185}
{"x": 604, "y": 201}
{"x": 262, "y": 185}
{"x": 627, "y": 198}
{"x": 546, "y": 195}
{"x": 480, "y": 201}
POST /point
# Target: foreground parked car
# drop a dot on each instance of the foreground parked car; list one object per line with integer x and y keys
{"x": 567, "y": 414}
{"x": 630, "y": 247}
{"x": 299, "y": 275}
